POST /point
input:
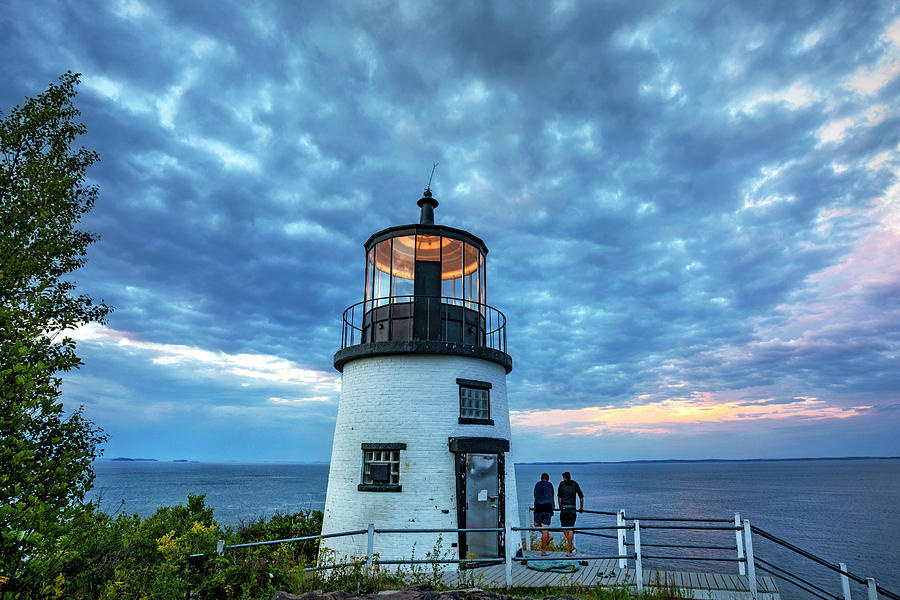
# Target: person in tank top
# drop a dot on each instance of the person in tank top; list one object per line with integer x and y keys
{"x": 566, "y": 492}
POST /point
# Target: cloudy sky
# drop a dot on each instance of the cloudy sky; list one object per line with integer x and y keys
{"x": 692, "y": 211}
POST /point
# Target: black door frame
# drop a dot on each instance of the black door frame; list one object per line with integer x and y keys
{"x": 461, "y": 447}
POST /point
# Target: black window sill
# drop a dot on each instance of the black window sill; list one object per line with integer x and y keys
{"x": 471, "y": 421}
{"x": 378, "y": 487}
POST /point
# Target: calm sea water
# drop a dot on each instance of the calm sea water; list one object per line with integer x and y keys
{"x": 843, "y": 510}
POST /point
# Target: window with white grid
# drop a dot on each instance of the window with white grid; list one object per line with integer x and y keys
{"x": 381, "y": 467}
{"x": 474, "y": 402}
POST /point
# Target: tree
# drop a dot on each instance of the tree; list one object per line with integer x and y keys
{"x": 45, "y": 455}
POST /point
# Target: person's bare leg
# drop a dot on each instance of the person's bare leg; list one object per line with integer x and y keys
{"x": 570, "y": 536}
{"x": 545, "y": 540}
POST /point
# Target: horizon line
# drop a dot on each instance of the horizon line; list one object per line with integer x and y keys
{"x": 589, "y": 462}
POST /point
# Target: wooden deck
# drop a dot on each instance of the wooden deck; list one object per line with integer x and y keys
{"x": 606, "y": 573}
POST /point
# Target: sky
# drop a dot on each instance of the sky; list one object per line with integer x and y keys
{"x": 692, "y": 211}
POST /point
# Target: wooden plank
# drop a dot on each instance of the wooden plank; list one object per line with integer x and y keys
{"x": 492, "y": 573}
{"x": 728, "y": 580}
{"x": 543, "y": 578}
{"x": 534, "y": 578}
{"x": 528, "y": 577}
{"x": 734, "y": 583}
{"x": 520, "y": 572}
{"x": 602, "y": 580}
{"x": 671, "y": 579}
{"x": 697, "y": 578}
{"x": 618, "y": 574}
{"x": 700, "y": 578}
{"x": 689, "y": 580}
{"x": 546, "y": 578}
{"x": 720, "y": 582}
{"x": 621, "y": 575}
{"x": 588, "y": 574}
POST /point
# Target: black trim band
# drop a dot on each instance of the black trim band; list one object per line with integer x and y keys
{"x": 482, "y": 445}
{"x": 421, "y": 229}
{"x": 379, "y": 487}
{"x": 473, "y": 383}
{"x": 386, "y": 446}
{"x": 341, "y": 357}
{"x": 474, "y": 421}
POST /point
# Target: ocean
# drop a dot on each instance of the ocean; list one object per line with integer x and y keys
{"x": 842, "y": 510}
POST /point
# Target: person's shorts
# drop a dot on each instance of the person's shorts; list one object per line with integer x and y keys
{"x": 542, "y": 518}
{"x": 567, "y": 517}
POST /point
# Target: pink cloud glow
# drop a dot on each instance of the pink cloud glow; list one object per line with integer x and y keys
{"x": 665, "y": 417}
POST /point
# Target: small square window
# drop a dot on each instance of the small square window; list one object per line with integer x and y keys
{"x": 381, "y": 467}
{"x": 474, "y": 402}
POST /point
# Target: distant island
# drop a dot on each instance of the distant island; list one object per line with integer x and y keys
{"x": 126, "y": 459}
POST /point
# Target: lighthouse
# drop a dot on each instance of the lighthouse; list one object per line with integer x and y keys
{"x": 422, "y": 434}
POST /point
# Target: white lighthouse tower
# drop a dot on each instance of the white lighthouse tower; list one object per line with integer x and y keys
{"x": 422, "y": 433}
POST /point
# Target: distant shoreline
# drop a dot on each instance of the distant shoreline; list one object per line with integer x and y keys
{"x": 592, "y": 462}
{"x": 708, "y": 460}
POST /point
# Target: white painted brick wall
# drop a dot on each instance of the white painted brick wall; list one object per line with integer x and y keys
{"x": 413, "y": 399}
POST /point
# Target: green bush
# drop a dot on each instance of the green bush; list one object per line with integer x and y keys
{"x": 159, "y": 557}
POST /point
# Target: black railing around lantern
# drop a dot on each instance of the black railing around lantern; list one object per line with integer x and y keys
{"x": 424, "y": 318}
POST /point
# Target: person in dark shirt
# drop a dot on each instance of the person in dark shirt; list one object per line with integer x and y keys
{"x": 566, "y": 491}
{"x": 543, "y": 508}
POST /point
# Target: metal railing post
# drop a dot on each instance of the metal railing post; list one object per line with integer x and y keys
{"x": 638, "y": 566}
{"x": 370, "y": 546}
{"x": 751, "y": 566}
{"x": 873, "y": 589}
{"x": 742, "y": 568}
{"x": 620, "y": 534}
{"x": 220, "y": 546}
{"x": 845, "y": 582}
{"x": 508, "y": 546}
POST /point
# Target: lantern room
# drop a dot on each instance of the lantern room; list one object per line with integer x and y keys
{"x": 423, "y": 283}
{"x": 436, "y": 261}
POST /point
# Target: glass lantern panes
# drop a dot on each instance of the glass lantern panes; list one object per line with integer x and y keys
{"x": 474, "y": 403}
{"x": 381, "y": 461}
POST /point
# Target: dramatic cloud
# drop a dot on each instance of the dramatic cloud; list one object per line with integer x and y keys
{"x": 692, "y": 210}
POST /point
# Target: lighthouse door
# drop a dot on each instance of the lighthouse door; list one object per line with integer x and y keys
{"x": 482, "y": 505}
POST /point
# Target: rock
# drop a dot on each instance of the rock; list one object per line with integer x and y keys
{"x": 419, "y": 591}
{"x": 420, "y": 587}
{"x": 316, "y": 595}
{"x": 285, "y": 596}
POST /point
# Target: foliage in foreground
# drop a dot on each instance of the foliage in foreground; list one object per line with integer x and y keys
{"x": 126, "y": 557}
{"x": 129, "y": 558}
{"x": 46, "y": 455}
